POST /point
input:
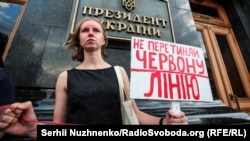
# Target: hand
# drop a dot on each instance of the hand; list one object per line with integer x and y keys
{"x": 175, "y": 118}
{"x": 14, "y": 120}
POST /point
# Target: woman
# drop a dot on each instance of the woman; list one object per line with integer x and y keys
{"x": 89, "y": 93}
{"x": 86, "y": 94}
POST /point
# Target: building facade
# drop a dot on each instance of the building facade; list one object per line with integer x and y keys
{"x": 33, "y": 51}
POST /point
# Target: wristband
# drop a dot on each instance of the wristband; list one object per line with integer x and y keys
{"x": 161, "y": 121}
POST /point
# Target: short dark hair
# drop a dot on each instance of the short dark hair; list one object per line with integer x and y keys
{"x": 1, "y": 62}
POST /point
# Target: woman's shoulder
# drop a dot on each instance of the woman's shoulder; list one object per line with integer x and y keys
{"x": 63, "y": 75}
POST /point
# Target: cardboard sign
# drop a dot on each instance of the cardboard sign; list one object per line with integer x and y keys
{"x": 168, "y": 71}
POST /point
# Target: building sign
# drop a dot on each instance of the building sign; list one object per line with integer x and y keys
{"x": 125, "y": 18}
{"x": 168, "y": 71}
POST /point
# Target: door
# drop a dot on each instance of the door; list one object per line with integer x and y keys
{"x": 229, "y": 74}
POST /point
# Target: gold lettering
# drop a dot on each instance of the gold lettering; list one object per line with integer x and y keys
{"x": 130, "y": 29}
{"x": 117, "y": 15}
{"x": 87, "y": 10}
{"x": 108, "y": 14}
{"x": 145, "y": 20}
{"x": 127, "y": 16}
{"x": 155, "y": 21}
{"x": 110, "y": 25}
{"x": 134, "y": 24}
{"x": 137, "y": 19}
{"x": 164, "y": 22}
{"x": 142, "y": 30}
{"x": 146, "y": 30}
{"x": 138, "y": 29}
{"x": 121, "y": 26}
{"x": 98, "y": 11}
{"x": 156, "y": 32}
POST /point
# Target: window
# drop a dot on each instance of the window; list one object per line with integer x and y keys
{"x": 10, "y": 16}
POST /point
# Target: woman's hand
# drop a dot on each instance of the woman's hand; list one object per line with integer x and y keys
{"x": 175, "y": 118}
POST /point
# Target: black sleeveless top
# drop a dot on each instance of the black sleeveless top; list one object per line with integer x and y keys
{"x": 93, "y": 97}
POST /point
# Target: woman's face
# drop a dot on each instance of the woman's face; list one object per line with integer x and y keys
{"x": 91, "y": 36}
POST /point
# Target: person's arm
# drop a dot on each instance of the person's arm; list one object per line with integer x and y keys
{"x": 60, "y": 98}
{"x": 171, "y": 117}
